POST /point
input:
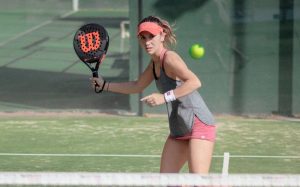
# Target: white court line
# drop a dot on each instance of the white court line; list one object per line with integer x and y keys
{"x": 77, "y": 155}
{"x": 137, "y": 155}
{"x": 262, "y": 156}
{"x": 84, "y": 155}
{"x": 34, "y": 28}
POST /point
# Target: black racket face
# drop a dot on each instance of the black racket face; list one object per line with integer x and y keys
{"x": 91, "y": 42}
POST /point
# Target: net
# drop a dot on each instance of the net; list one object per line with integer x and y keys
{"x": 145, "y": 179}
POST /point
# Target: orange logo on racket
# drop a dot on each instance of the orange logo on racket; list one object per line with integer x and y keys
{"x": 91, "y": 44}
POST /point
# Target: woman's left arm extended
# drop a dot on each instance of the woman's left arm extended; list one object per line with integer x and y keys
{"x": 176, "y": 68}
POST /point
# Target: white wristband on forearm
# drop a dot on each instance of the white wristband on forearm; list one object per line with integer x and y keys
{"x": 169, "y": 96}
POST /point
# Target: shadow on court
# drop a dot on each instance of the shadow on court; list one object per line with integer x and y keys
{"x": 106, "y": 22}
{"x": 31, "y": 89}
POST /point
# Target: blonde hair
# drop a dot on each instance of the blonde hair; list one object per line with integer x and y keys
{"x": 170, "y": 38}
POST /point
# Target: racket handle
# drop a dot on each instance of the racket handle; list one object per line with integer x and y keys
{"x": 95, "y": 74}
{"x": 97, "y": 85}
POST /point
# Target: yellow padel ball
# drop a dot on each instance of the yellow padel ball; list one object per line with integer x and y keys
{"x": 196, "y": 51}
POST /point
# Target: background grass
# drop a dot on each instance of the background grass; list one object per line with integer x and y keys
{"x": 106, "y": 134}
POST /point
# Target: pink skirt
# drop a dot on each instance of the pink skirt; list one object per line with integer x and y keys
{"x": 200, "y": 131}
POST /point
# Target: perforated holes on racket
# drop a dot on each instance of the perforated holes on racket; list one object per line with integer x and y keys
{"x": 91, "y": 42}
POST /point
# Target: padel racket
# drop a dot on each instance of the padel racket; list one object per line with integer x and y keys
{"x": 91, "y": 44}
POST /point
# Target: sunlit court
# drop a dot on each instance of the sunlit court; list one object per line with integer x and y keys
{"x": 97, "y": 93}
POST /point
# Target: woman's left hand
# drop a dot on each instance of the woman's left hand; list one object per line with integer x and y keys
{"x": 154, "y": 99}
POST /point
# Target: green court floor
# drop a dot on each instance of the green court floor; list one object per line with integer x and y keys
{"x": 38, "y": 65}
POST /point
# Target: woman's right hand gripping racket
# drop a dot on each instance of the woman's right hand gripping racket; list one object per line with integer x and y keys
{"x": 91, "y": 44}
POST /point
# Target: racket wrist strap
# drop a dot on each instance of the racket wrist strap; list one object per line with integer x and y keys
{"x": 107, "y": 86}
{"x": 169, "y": 96}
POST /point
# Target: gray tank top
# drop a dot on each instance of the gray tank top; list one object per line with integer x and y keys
{"x": 181, "y": 112}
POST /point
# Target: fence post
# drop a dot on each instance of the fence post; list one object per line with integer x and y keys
{"x": 75, "y": 4}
